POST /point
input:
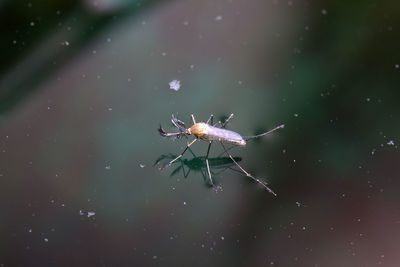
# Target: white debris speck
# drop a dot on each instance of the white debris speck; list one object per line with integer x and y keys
{"x": 91, "y": 213}
{"x": 163, "y": 54}
{"x": 218, "y": 18}
{"x": 368, "y": 99}
{"x": 186, "y": 23}
{"x": 397, "y": 66}
{"x": 296, "y": 115}
{"x": 46, "y": 240}
{"x": 184, "y": 203}
{"x": 373, "y": 151}
{"x": 142, "y": 165}
{"x": 30, "y": 230}
{"x": 81, "y": 212}
{"x": 222, "y": 238}
{"x": 298, "y": 204}
{"x": 32, "y": 23}
{"x": 175, "y": 85}
{"x": 390, "y": 143}
{"x": 324, "y": 12}
{"x": 108, "y": 167}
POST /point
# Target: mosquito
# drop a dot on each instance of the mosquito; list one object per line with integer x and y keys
{"x": 210, "y": 132}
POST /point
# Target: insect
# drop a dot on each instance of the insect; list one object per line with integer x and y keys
{"x": 210, "y": 132}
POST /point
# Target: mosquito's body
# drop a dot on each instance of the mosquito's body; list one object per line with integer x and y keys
{"x": 210, "y": 132}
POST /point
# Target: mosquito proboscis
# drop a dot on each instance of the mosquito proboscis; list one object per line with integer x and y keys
{"x": 210, "y": 132}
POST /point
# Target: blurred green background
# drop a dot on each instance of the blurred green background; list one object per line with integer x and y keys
{"x": 85, "y": 84}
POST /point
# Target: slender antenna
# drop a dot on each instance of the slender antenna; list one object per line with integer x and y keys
{"x": 259, "y": 135}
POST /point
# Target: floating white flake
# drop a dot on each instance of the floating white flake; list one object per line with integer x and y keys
{"x": 91, "y": 213}
{"x": 175, "y": 85}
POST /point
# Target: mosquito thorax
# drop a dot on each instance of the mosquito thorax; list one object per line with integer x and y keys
{"x": 198, "y": 129}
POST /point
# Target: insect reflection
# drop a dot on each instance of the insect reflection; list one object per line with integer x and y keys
{"x": 198, "y": 164}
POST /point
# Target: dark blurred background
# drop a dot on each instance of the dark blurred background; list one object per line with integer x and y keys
{"x": 85, "y": 84}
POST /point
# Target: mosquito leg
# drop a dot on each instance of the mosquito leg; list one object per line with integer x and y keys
{"x": 208, "y": 165}
{"x": 178, "y": 124}
{"x": 217, "y": 124}
{"x": 223, "y": 152}
{"x": 263, "y": 134}
{"x": 165, "y": 134}
{"x": 224, "y": 123}
{"x": 248, "y": 174}
{"x": 172, "y": 161}
{"x": 193, "y": 120}
{"x": 210, "y": 120}
{"x": 227, "y": 120}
